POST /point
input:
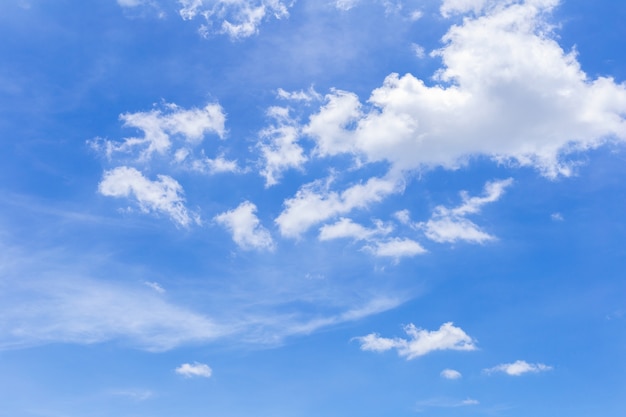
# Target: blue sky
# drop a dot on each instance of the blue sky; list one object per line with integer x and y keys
{"x": 312, "y": 208}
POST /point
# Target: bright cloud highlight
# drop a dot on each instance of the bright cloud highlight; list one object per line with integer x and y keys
{"x": 195, "y": 369}
{"x": 245, "y": 227}
{"x": 518, "y": 368}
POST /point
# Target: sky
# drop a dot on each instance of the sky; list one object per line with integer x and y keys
{"x": 305, "y": 208}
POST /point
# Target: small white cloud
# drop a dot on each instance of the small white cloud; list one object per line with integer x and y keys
{"x": 346, "y": 228}
{"x": 557, "y": 217}
{"x": 416, "y": 15}
{"x": 396, "y": 248}
{"x": 245, "y": 227}
{"x": 306, "y": 96}
{"x": 314, "y": 203}
{"x": 450, "y": 374}
{"x": 444, "y": 403}
{"x": 450, "y": 7}
{"x": 161, "y": 126}
{"x": 418, "y": 50}
{"x": 346, "y": 4}
{"x": 134, "y": 394}
{"x": 165, "y": 195}
{"x": 420, "y": 341}
{"x": 196, "y": 369}
{"x": 155, "y": 286}
{"x": 279, "y": 146}
{"x": 518, "y": 368}
{"x": 451, "y": 225}
{"x": 235, "y": 18}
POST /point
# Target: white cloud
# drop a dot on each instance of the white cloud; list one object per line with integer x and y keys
{"x": 346, "y": 228}
{"x": 306, "y": 96}
{"x": 557, "y": 217}
{"x": 450, "y": 374}
{"x": 518, "y": 368}
{"x": 346, "y": 4}
{"x": 235, "y": 18}
{"x": 279, "y": 146}
{"x": 396, "y": 248}
{"x": 418, "y": 50}
{"x": 155, "y": 286}
{"x": 450, "y": 225}
{"x": 134, "y": 394}
{"x": 165, "y": 195}
{"x": 450, "y": 7}
{"x": 445, "y": 403}
{"x": 195, "y": 369}
{"x": 315, "y": 203}
{"x": 245, "y": 227}
{"x": 517, "y": 97}
{"x": 160, "y": 126}
{"x": 420, "y": 341}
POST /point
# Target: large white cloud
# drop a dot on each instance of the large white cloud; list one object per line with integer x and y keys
{"x": 420, "y": 342}
{"x": 245, "y": 227}
{"x": 235, "y": 18}
{"x": 165, "y": 195}
{"x": 506, "y": 90}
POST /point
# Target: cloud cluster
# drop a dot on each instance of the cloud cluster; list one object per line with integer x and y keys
{"x": 234, "y": 18}
{"x": 420, "y": 342}
{"x": 451, "y": 374}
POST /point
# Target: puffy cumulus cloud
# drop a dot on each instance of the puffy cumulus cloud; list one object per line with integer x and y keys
{"x": 420, "y": 342}
{"x": 506, "y": 90}
{"x": 245, "y": 227}
{"x": 518, "y": 368}
{"x": 450, "y": 374}
{"x": 234, "y": 18}
{"x": 451, "y": 225}
{"x": 160, "y": 126}
{"x": 195, "y": 369}
{"x": 279, "y": 145}
{"x": 165, "y": 195}
{"x": 314, "y": 203}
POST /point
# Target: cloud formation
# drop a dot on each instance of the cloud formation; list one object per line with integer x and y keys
{"x": 450, "y": 374}
{"x": 234, "y": 18}
{"x": 195, "y": 369}
{"x": 245, "y": 227}
{"x": 518, "y": 368}
{"x": 517, "y": 97}
{"x": 420, "y": 342}
{"x": 164, "y": 195}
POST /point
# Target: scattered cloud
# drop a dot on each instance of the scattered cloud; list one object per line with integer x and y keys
{"x": 396, "y": 248}
{"x": 155, "y": 286}
{"x": 557, "y": 217}
{"x": 134, "y": 394}
{"x": 518, "y": 368}
{"x": 237, "y": 19}
{"x": 315, "y": 203}
{"x": 420, "y": 342}
{"x": 245, "y": 227}
{"x": 195, "y": 369}
{"x": 346, "y": 4}
{"x": 305, "y": 96}
{"x": 418, "y": 50}
{"x": 451, "y": 374}
{"x": 450, "y": 225}
{"x": 161, "y": 125}
{"x": 279, "y": 146}
{"x": 346, "y": 228}
{"x": 444, "y": 403}
{"x": 165, "y": 195}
